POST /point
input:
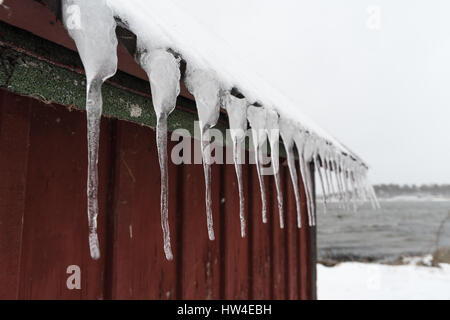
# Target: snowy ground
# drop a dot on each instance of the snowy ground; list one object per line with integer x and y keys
{"x": 354, "y": 280}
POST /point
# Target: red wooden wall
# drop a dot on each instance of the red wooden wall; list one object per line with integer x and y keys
{"x": 43, "y": 221}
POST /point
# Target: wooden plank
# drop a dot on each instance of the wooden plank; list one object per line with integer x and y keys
{"x": 55, "y": 232}
{"x": 269, "y": 263}
{"x": 305, "y": 248}
{"x": 313, "y": 264}
{"x": 14, "y": 140}
{"x": 200, "y": 267}
{"x": 236, "y": 256}
{"x": 260, "y": 233}
{"x": 313, "y": 246}
{"x": 293, "y": 253}
{"x": 140, "y": 269}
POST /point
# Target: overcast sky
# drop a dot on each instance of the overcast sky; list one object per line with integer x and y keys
{"x": 375, "y": 74}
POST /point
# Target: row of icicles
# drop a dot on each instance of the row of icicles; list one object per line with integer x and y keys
{"x": 94, "y": 34}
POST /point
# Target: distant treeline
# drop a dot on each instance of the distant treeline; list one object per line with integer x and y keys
{"x": 392, "y": 190}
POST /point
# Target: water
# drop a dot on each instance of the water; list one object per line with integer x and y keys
{"x": 399, "y": 228}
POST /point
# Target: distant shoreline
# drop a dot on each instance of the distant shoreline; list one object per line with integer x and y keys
{"x": 401, "y": 198}
{"x": 427, "y": 260}
{"x": 415, "y": 198}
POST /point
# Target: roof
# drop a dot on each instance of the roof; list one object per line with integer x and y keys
{"x": 163, "y": 24}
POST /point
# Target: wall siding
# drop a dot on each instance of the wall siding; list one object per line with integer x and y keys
{"x": 43, "y": 221}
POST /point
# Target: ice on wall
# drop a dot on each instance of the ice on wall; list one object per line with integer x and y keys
{"x": 92, "y": 26}
{"x": 208, "y": 96}
{"x": 257, "y": 119}
{"x": 237, "y": 116}
{"x": 163, "y": 70}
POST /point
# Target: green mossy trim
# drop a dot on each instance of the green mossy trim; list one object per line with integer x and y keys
{"x": 50, "y": 83}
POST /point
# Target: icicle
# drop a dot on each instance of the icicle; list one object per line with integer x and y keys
{"x": 361, "y": 186}
{"x": 257, "y": 118}
{"x": 353, "y": 183}
{"x": 300, "y": 141}
{"x": 287, "y": 131}
{"x": 163, "y": 71}
{"x": 370, "y": 190}
{"x": 357, "y": 193}
{"x": 330, "y": 176}
{"x": 366, "y": 187}
{"x": 324, "y": 161}
{"x": 207, "y": 93}
{"x": 319, "y": 173}
{"x": 349, "y": 182}
{"x": 334, "y": 166}
{"x": 345, "y": 177}
{"x": 237, "y": 116}
{"x": 356, "y": 186}
{"x": 273, "y": 132}
{"x": 326, "y": 174}
{"x": 92, "y": 26}
{"x": 308, "y": 153}
{"x": 341, "y": 177}
{"x": 374, "y": 196}
{"x": 329, "y": 169}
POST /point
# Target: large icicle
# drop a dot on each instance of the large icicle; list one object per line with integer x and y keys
{"x": 273, "y": 133}
{"x": 370, "y": 191}
{"x": 355, "y": 187}
{"x": 257, "y": 118}
{"x": 351, "y": 181}
{"x": 237, "y": 116}
{"x": 163, "y": 71}
{"x": 308, "y": 153}
{"x": 207, "y": 93}
{"x": 347, "y": 184}
{"x": 341, "y": 176}
{"x": 329, "y": 172}
{"x": 300, "y": 142}
{"x": 287, "y": 131}
{"x": 92, "y": 26}
{"x": 337, "y": 173}
{"x": 321, "y": 150}
{"x": 319, "y": 171}
{"x": 334, "y": 174}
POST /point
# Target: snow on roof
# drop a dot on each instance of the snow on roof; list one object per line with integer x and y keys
{"x": 165, "y": 25}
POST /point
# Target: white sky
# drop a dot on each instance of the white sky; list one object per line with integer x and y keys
{"x": 384, "y": 92}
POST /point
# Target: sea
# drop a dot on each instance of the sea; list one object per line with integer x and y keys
{"x": 401, "y": 228}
